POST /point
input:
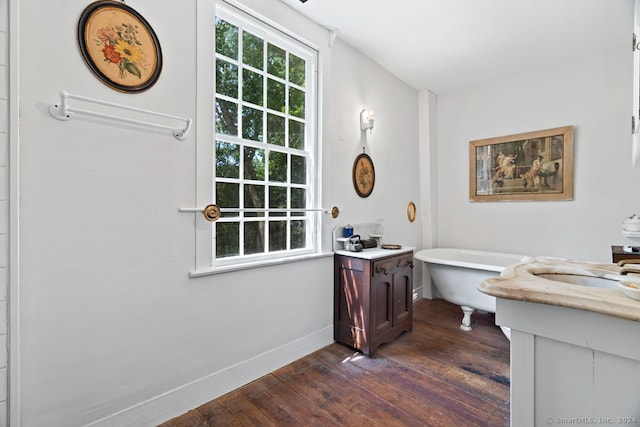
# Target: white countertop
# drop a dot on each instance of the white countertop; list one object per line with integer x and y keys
{"x": 374, "y": 253}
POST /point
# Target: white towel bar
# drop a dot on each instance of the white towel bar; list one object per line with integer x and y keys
{"x": 63, "y": 111}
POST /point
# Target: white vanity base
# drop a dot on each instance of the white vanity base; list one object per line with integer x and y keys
{"x": 570, "y": 366}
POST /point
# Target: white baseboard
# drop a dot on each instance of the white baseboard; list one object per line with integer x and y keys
{"x": 182, "y": 399}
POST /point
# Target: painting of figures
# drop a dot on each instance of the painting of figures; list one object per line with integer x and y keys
{"x": 528, "y": 166}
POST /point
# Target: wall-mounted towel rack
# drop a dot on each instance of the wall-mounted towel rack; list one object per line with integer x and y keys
{"x": 212, "y": 212}
{"x": 63, "y": 111}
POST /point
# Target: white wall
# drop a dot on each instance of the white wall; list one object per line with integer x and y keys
{"x": 112, "y": 330}
{"x": 4, "y": 202}
{"x": 593, "y": 94}
{"x": 358, "y": 83}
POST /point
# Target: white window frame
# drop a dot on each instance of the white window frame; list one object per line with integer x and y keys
{"x": 206, "y": 138}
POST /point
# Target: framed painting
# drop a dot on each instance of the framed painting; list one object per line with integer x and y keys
{"x": 363, "y": 175}
{"x": 119, "y": 46}
{"x": 527, "y": 166}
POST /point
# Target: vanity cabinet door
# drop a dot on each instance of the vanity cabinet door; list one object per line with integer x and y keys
{"x": 381, "y": 304}
{"x": 396, "y": 273}
{"x": 402, "y": 297}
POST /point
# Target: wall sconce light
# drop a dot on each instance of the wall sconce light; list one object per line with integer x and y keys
{"x": 366, "y": 120}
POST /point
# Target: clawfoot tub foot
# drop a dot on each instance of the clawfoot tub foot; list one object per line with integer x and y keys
{"x": 466, "y": 319}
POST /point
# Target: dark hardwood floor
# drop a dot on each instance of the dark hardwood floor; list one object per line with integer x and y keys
{"x": 436, "y": 375}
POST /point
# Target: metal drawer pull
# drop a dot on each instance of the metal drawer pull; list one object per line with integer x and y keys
{"x": 409, "y": 263}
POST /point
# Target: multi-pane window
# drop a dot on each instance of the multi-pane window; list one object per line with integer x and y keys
{"x": 264, "y": 143}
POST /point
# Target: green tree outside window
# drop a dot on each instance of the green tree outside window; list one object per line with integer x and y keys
{"x": 261, "y": 162}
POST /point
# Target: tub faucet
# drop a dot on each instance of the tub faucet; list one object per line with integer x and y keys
{"x": 630, "y": 269}
{"x": 623, "y": 262}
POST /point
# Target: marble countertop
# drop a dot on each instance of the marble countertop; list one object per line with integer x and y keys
{"x": 523, "y": 282}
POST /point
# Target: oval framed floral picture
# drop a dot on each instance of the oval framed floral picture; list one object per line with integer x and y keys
{"x": 119, "y": 46}
{"x": 363, "y": 175}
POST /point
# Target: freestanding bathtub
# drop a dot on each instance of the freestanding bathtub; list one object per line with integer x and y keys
{"x": 456, "y": 274}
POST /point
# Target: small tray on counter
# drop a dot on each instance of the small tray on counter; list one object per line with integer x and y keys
{"x": 390, "y": 246}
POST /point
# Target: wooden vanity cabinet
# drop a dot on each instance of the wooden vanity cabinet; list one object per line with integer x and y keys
{"x": 618, "y": 254}
{"x": 372, "y": 300}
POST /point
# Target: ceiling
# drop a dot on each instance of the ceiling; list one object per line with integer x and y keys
{"x": 443, "y": 45}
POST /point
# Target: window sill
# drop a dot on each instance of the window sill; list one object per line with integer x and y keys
{"x": 258, "y": 264}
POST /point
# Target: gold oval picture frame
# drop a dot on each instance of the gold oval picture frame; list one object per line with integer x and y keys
{"x": 119, "y": 46}
{"x": 363, "y": 175}
{"x": 411, "y": 211}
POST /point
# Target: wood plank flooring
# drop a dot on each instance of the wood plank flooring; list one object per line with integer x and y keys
{"x": 436, "y": 375}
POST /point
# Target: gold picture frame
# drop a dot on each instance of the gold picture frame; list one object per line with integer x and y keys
{"x": 411, "y": 211}
{"x": 527, "y": 166}
{"x": 363, "y": 175}
{"x": 119, "y": 46}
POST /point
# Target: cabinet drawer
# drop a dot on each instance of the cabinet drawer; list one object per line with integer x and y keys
{"x": 387, "y": 265}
